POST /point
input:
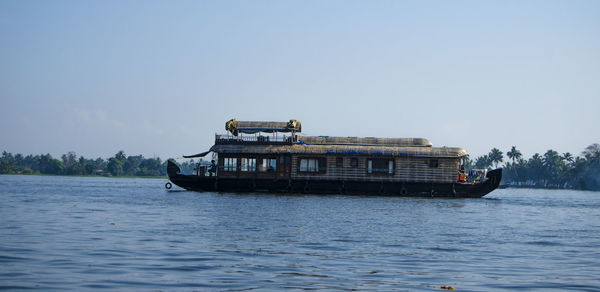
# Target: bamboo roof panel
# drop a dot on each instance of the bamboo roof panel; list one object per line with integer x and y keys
{"x": 441, "y": 152}
{"x": 366, "y": 141}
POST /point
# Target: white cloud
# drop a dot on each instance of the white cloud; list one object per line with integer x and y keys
{"x": 152, "y": 129}
{"x": 96, "y": 117}
{"x": 81, "y": 114}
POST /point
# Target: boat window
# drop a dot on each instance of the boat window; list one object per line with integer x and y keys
{"x": 312, "y": 165}
{"x": 269, "y": 164}
{"x": 248, "y": 164}
{"x": 433, "y": 163}
{"x": 354, "y": 162}
{"x": 380, "y": 165}
{"x": 229, "y": 164}
{"x": 339, "y": 161}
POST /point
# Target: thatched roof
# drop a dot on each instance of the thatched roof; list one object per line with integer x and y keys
{"x": 250, "y": 127}
{"x": 366, "y": 141}
{"x": 441, "y": 152}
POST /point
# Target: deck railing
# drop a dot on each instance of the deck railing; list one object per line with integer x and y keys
{"x": 254, "y": 139}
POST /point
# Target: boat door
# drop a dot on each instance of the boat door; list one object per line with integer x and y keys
{"x": 285, "y": 166}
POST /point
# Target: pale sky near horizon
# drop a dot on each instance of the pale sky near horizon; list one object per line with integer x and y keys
{"x": 160, "y": 78}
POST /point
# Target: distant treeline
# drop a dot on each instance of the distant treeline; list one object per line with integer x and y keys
{"x": 70, "y": 164}
{"x": 550, "y": 170}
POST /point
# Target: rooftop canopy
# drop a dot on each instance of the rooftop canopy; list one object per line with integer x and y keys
{"x": 250, "y": 127}
{"x": 365, "y": 141}
{"x": 440, "y": 152}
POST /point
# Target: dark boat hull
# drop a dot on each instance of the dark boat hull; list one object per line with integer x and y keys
{"x": 417, "y": 189}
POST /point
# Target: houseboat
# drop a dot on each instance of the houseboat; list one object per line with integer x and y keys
{"x": 274, "y": 157}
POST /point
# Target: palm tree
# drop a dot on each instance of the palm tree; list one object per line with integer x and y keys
{"x": 121, "y": 156}
{"x": 536, "y": 167}
{"x": 514, "y": 154}
{"x": 552, "y": 165}
{"x": 468, "y": 162}
{"x": 495, "y": 156}
{"x": 591, "y": 151}
{"x": 551, "y": 158}
{"x": 482, "y": 161}
{"x": 568, "y": 157}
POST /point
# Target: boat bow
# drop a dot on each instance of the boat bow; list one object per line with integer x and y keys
{"x": 172, "y": 169}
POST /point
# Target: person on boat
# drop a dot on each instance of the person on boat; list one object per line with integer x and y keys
{"x": 213, "y": 167}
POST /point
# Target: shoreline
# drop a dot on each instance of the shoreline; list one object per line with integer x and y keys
{"x": 502, "y": 187}
{"x": 75, "y": 175}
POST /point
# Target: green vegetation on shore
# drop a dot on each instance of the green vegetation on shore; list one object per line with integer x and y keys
{"x": 119, "y": 165}
{"x": 550, "y": 170}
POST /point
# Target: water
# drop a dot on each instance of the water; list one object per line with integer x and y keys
{"x": 70, "y": 233}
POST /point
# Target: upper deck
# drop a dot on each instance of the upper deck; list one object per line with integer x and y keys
{"x": 289, "y": 139}
{"x": 228, "y": 139}
{"x": 281, "y": 137}
{"x": 291, "y": 144}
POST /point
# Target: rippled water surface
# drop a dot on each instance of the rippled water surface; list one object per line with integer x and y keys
{"x": 69, "y": 233}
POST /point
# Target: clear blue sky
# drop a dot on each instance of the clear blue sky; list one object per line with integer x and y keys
{"x": 161, "y": 77}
